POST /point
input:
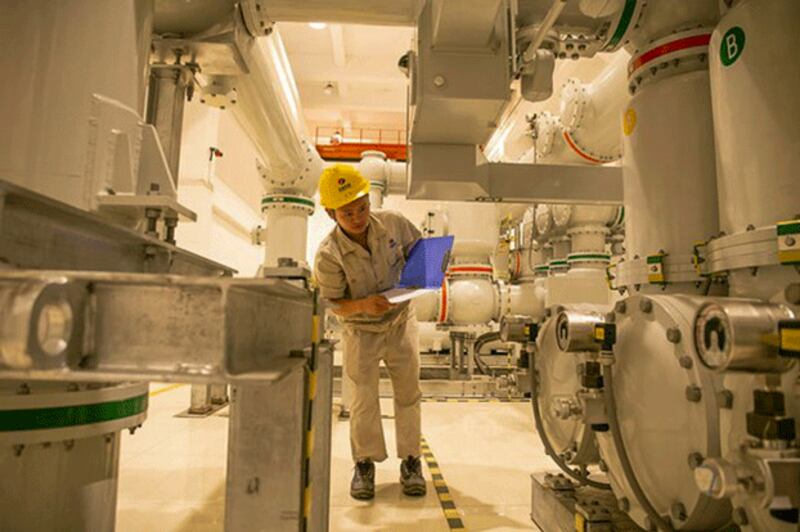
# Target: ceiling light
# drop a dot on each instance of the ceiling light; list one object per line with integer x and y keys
{"x": 318, "y": 25}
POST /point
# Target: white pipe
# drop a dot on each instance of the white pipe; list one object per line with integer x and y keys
{"x": 394, "y": 13}
{"x": 286, "y": 235}
{"x": 268, "y": 110}
{"x": 590, "y": 113}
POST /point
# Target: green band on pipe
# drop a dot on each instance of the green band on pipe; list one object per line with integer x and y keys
{"x": 622, "y": 26}
{"x": 287, "y": 199}
{"x": 70, "y": 416}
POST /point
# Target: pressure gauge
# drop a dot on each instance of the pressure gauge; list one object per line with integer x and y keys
{"x": 712, "y": 336}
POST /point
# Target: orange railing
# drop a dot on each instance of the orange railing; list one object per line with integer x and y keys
{"x": 324, "y": 135}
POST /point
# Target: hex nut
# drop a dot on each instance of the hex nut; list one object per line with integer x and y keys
{"x": 646, "y": 306}
{"x": 694, "y": 394}
{"x": 620, "y": 307}
{"x": 674, "y": 335}
{"x": 686, "y": 362}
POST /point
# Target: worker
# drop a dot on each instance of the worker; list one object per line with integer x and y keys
{"x": 363, "y": 256}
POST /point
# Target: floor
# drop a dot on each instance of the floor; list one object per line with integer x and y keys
{"x": 172, "y": 470}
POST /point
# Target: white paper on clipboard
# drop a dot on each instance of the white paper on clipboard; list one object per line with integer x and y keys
{"x": 398, "y": 295}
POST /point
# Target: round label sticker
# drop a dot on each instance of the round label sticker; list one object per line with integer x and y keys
{"x": 732, "y": 46}
{"x": 629, "y": 121}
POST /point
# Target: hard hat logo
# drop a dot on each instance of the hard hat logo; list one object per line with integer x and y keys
{"x": 341, "y": 184}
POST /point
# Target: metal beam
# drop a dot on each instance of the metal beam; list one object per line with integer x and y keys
{"x": 151, "y": 327}
{"x": 459, "y": 172}
{"x": 37, "y": 232}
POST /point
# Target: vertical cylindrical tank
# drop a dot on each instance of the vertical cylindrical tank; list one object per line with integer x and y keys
{"x": 754, "y": 81}
{"x": 668, "y": 166}
{"x": 61, "y": 57}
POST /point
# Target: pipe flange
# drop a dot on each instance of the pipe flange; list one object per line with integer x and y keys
{"x": 470, "y": 271}
{"x": 623, "y": 25}
{"x": 596, "y": 259}
{"x": 748, "y": 249}
{"x": 674, "y": 269}
{"x": 680, "y": 52}
{"x": 287, "y": 203}
{"x": 588, "y": 230}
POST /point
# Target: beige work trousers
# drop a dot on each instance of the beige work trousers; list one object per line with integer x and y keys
{"x": 398, "y": 346}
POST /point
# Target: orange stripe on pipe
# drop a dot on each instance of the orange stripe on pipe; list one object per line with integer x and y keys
{"x": 577, "y": 150}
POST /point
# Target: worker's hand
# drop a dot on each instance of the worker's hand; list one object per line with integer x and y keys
{"x": 376, "y": 305}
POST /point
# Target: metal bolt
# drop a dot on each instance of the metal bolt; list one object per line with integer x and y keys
{"x": 694, "y": 393}
{"x": 686, "y": 361}
{"x": 646, "y": 306}
{"x": 678, "y": 511}
{"x": 620, "y": 307}
{"x": 23, "y": 389}
{"x": 69, "y": 444}
{"x": 439, "y": 81}
{"x": 792, "y": 294}
{"x": 132, "y": 430}
{"x": 109, "y": 437}
{"x": 695, "y": 460}
{"x": 790, "y": 241}
{"x": 674, "y": 335}
{"x": 253, "y": 485}
{"x": 18, "y": 448}
{"x": 739, "y": 516}
{"x": 624, "y": 504}
{"x": 725, "y": 399}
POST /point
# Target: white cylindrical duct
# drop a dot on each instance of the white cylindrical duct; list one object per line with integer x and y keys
{"x": 754, "y": 82}
{"x": 395, "y": 13}
{"x": 286, "y": 228}
{"x": 427, "y": 306}
{"x": 659, "y": 19}
{"x": 590, "y": 113}
{"x": 526, "y": 299}
{"x": 373, "y": 167}
{"x": 471, "y": 300}
{"x": 268, "y": 110}
{"x": 668, "y": 166}
{"x": 396, "y": 177}
{"x": 57, "y": 104}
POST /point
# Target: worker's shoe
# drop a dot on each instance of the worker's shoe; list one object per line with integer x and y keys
{"x": 411, "y": 477}
{"x": 363, "y": 485}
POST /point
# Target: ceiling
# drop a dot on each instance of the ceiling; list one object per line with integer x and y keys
{"x": 366, "y": 90}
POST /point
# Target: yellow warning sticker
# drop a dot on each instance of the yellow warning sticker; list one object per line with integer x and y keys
{"x": 790, "y": 340}
{"x": 599, "y": 333}
{"x": 580, "y": 523}
{"x": 629, "y": 121}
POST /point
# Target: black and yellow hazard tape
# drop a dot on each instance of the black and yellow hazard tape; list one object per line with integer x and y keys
{"x": 311, "y": 395}
{"x": 475, "y": 400}
{"x": 446, "y": 501}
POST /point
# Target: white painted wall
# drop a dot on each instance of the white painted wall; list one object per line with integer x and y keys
{"x": 225, "y": 195}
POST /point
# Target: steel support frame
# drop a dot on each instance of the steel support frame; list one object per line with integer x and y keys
{"x": 259, "y": 335}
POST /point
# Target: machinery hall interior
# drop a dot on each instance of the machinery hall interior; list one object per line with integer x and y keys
{"x": 615, "y": 341}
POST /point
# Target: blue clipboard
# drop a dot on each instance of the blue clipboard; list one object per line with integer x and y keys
{"x": 427, "y": 263}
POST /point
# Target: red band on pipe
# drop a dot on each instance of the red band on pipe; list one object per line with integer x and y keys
{"x": 443, "y": 303}
{"x": 668, "y": 48}
{"x": 577, "y": 150}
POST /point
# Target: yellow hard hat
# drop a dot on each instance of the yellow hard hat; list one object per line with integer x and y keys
{"x": 341, "y": 184}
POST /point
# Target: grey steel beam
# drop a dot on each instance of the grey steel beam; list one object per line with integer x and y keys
{"x": 40, "y": 233}
{"x": 96, "y": 326}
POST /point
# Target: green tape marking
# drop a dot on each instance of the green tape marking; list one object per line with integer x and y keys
{"x": 622, "y": 26}
{"x": 70, "y": 416}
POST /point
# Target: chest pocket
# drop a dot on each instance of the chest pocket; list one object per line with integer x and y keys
{"x": 396, "y": 263}
{"x": 359, "y": 275}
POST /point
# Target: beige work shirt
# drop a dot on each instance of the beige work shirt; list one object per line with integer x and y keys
{"x": 345, "y": 270}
